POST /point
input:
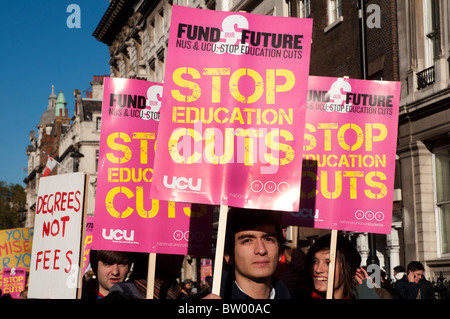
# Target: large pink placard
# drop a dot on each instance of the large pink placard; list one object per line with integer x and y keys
{"x": 233, "y": 109}
{"x": 126, "y": 217}
{"x": 349, "y": 155}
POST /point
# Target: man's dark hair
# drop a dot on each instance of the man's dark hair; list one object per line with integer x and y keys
{"x": 107, "y": 257}
{"x": 415, "y": 265}
{"x": 399, "y": 269}
{"x": 240, "y": 219}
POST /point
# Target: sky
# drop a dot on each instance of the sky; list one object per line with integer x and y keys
{"x": 38, "y": 50}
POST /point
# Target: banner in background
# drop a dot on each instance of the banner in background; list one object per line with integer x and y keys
{"x": 88, "y": 242}
{"x": 14, "y": 281}
{"x": 15, "y": 249}
{"x": 233, "y": 109}
{"x": 55, "y": 258}
{"x": 349, "y": 155}
{"x": 127, "y": 218}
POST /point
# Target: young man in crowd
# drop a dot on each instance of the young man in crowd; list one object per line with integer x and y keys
{"x": 413, "y": 285}
{"x": 109, "y": 267}
{"x": 253, "y": 248}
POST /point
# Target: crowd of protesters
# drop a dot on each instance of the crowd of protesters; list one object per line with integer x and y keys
{"x": 255, "y": 267}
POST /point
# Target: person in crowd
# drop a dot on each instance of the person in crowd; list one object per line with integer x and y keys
{"x": 253, "y": 247}
{"x": 350, "y": 281}
{"x": 399, "y": 271}
{"x": 413, "y": 284}
{"x": 109, "y": 267}
{"x": 185, "y": 289}
{"x": 168, "y": 269}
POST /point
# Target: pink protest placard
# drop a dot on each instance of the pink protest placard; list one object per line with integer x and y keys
{"x": 349, "y": 155}
{"x": 14, "y": 281}
{"x": 88, "y": 241}
{"x": 126, "y": 217}
{"x": 234, "y": 95}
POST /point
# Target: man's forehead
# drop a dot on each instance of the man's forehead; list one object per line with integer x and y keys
{"x": 264, "y": 229}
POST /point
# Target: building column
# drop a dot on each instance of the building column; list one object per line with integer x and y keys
{"x": 362, "y": 245}
{"x": 393, "y": 248}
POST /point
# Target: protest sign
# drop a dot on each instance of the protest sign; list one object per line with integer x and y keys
{"x": 88, "y": 241}
{"x": 15, "y": 248}
{"x": 233, "y": 109}
{"x": 349, "y": 155}
{"x": 14, "y": 281}
{"x": 126, "y": 217}
{"x": 58, "y": 229}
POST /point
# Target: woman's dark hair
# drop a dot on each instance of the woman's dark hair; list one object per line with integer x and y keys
{"x": 347, "y": 255}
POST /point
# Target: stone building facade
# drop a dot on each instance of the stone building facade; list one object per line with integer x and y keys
{"x": 424, "y": 126}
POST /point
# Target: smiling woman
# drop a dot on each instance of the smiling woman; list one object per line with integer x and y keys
{"x": 350, "y": 281}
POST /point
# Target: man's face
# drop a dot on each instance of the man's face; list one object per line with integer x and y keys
{"x": 417, "y": 275}
{"x": 256, "y": 253}
{"x": 110, "y": 274}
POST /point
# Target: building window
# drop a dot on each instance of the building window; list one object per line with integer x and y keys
{"x": 96, "y": 160}
{"x": 334, "y": 11}
{"x": 334, "y": 14}
{"x": 431, "y": 29}
{"x": 305, "y": 8}
{"x": 98, "y": 124}
{"x": 442, "y": 171}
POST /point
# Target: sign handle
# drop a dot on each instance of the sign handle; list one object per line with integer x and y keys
{"x": 332, "y": 265}
{"x": 83, "y": 238}
{"x": 151, "y": 275}
{"x": 220, "y": 245}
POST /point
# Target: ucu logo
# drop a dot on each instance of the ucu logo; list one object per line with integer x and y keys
{"x": 182, "y": 183}
{"x": 306, "y": 213}
{"x": 118, "y": 234}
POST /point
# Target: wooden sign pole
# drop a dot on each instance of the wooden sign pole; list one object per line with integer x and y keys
{"x": 332, "y": 265}
{"x": 151, "y": 275}
{"x": 220, "y": 246}
{"x": 83, "y": 239}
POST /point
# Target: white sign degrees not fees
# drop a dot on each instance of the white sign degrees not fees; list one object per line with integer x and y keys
{"x": 57, "y": 236}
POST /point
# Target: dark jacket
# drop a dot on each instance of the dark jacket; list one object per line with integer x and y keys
{"x": 230, "y": 290}
{"x": 403, "y": 289}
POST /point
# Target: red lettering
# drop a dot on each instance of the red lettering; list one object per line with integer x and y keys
{"x": 17, "y": 244}
{"x": 60, "y": 201}
{"x": 64, "y": 220}
{"x": 69, "y": 260}
{"x": 53, "y": 228}
{"x": 57, "y": 200}
{"x": 63, "y": 201}
{"x": 46, "y": 257}
{"x": 55, "y": 222}
{"x": 39, "y": 205}
{"x": 45, "y": 229}
{"x": 45, "y": 266}
{"x": 77, "y": 195}
{"x": 50, "y": 210}
{"x": 44, "y": 203}
{"x": 38, "y": 259}
{"x": 69, "y": 201}
{"x": 57, "y": 251}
